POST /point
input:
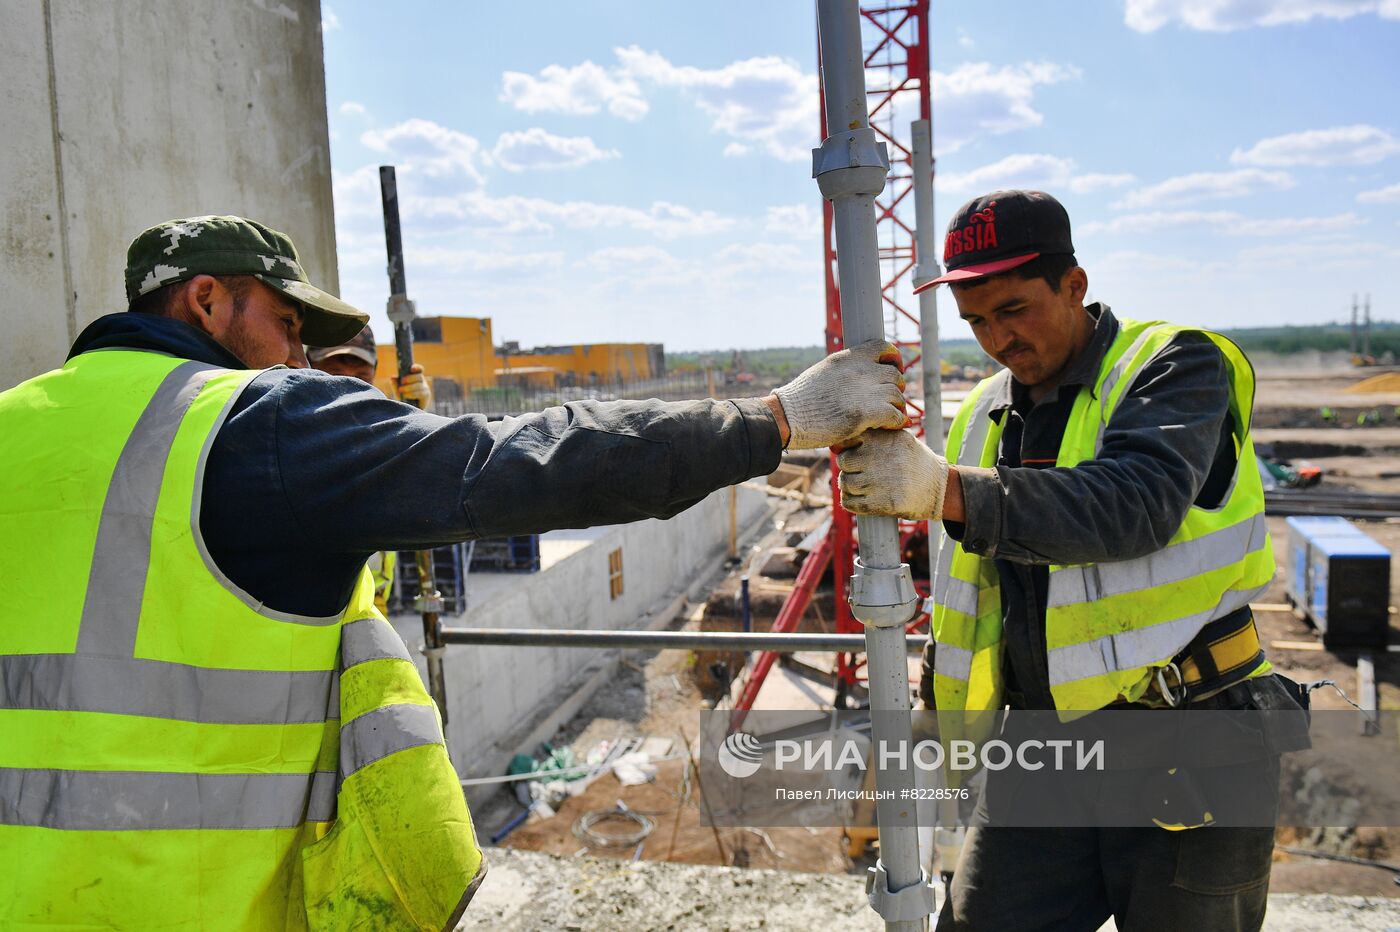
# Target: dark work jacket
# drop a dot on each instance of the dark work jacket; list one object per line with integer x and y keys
{"x": 1167, "y": 446}
{"x": 312, "y": 472}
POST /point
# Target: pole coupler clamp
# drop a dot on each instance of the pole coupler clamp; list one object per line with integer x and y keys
{"x": 851, "y": 162}
{"x": 429, "y": 602}
{"x": 925, "y": 271}
{"x": 401, "y": 310}
{"x": 913, "y": 903}
{"x": 882, "y": 597}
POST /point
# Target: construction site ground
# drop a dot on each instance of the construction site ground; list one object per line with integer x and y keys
{"x": 660, "y": 694}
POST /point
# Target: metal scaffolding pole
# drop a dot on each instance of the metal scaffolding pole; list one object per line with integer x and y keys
{"x": 401, "y": 315}
{"x": 927, "y": 270}
{"x": 663, "y": 640}
{"x": 850, "y": 168}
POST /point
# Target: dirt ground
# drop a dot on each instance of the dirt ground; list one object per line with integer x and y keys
{"x": 656, "y": 694}
{"x": 660, "y": 694}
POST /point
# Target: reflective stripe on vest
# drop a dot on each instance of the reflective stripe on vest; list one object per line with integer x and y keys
{"x": 1108, "y": 625}
{"x": 143, "y": 695}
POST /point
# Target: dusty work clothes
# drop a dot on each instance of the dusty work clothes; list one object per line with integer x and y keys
{"x": 176, "y": 754}
{"x": 1159, "y": 438}
{"x": 381, "y": 568}
{"x": 311, "y": 473}
{"x": 222, "y": 733}
{"x": 1109, "y": 624}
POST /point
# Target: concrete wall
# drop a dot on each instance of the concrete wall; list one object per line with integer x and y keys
{"x": 120, "y": 115}
{"x": 496, "y": 694}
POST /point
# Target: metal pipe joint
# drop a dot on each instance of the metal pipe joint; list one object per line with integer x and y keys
{"x": 401, "y": 310}
{"x": 882, "y": 597}
{"x": 911, "y": 904}
{"x": 851, "y": 163}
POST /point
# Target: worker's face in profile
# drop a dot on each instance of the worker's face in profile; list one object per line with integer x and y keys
{"x": 345, "y": 364}
{"x": 264, "y": 329}
{"x": 1027, "y": 326}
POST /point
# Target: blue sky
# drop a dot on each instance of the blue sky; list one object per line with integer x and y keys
{"x": 599, "y": 171}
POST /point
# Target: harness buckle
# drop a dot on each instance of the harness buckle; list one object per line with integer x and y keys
{"x": 1168, "y": 692}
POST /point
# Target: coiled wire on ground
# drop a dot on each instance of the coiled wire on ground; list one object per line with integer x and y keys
{"x": 586, "y": 831}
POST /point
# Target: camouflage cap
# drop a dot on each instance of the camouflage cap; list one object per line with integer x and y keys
{"x": 361, "y": 346}
{"x": 178, "y": 250}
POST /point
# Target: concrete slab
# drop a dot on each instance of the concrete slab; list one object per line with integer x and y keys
{"x": 527, "y": 890}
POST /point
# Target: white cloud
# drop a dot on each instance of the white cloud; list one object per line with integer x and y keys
{"x": 582, "y": 89}
{"x": 977, "y": 99}
{"x": 1031, "y": 170}
{"x": 329, "y": 21}
{"x": 519, "y": 214}
{"x": 448, "y": 259}
{"x": 768, "y": 102}
{"x": 1387, "y": 195}
{"x": 1340, "y": 145}
{"x": 351, "y": 108}
{"x": 1087, "y": 184}
{"x": 1228, "y": 15}
{"x": 536, "y": 149}
{"x": 424, "y": 146}
{"x": 1023, "y": 170}
{"x": 964, "y": 40}
{"x": 800, "y": 221}
{"x": 614, "y": 259}
{"x": 1200, "y": 186}
{"x": 1316, "y": 257}
{"x": 1224, "y": 222}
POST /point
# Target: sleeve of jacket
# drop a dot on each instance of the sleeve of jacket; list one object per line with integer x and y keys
{"x": 1158, "y": 449}
{"x": 362, "y": 473}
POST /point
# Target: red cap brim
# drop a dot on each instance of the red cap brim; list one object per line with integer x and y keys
{"x": 978, "y": 271}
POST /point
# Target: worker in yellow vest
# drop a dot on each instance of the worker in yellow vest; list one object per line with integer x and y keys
{"x": 1105, "y": 533}
{"x": 207, "y": 723}
{"x": 358, "y": 358}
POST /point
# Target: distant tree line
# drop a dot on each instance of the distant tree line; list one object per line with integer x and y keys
{"x": 783, "y": 362}
{"x": 1385, "y": 337}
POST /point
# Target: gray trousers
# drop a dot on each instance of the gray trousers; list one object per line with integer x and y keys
{"x": 1026, "y": 879}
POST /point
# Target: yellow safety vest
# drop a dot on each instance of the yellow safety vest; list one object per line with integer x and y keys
{"x": 174, "y": 753}
{"x": 381, "y": 571}
{"x": 1109, "y": 626}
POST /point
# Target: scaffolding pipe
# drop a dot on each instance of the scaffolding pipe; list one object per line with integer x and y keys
{"x": 926, "y": 270}
{"x": 664, "y": 640}
{"x": 850, "y": 168}
{"x": 948, "y": 837}
{"x": 401, "y": 314}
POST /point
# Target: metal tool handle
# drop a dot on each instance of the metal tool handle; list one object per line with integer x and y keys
{"x": 401, "y": 314}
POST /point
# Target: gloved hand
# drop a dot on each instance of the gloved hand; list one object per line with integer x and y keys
{"x": 892, "y": 474}
{"x": 843, "y": 395}
{"x": 414, "y": 389}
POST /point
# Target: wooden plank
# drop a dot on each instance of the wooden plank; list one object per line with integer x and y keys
{"x": 1296, "y": 645}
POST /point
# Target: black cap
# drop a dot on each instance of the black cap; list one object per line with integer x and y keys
{"x": 1001, "y": 230}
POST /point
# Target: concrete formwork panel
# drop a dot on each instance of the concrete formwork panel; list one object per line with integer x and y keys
{"x": 160, "y": 110}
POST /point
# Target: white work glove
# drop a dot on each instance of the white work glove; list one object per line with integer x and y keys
{"x": 844, "y": 395}
{"x": 892, "y": 474}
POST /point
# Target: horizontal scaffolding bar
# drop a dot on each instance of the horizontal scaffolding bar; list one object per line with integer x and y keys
{"x": 666, "y": 640}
